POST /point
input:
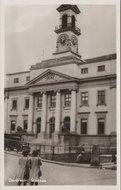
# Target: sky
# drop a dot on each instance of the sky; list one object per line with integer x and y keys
{"x": 29, "y": 29}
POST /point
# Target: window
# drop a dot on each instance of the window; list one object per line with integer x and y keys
{"x": 52, "y": 126}
{"x": 83, "y": 126}
{"x": 26, "y": 103}
{"x": 25, "y": 124}
{"x": 13, "y": 125}
{"x": 38, "y": 123}
{"x": 16, "y": 80}
{"x": 101, "y": 68}
{"x": 39, "y": 101}
{"x": 101, "y": 97}
{"x": 66, "y": 125}
{"x": 84, "y": 70}
{"x": 68, "y": 99}
{"x": 101, "y": 125}
{"x": 52, "y": 101}
{"x": 14, "y": 104}
{"x": 27, "y": 78}
{"x": 84, "y": 98}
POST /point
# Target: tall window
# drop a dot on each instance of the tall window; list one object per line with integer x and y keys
{"x": 13, "y": 125}
{"x": 16, "y": 80}
{"x": 64, "y": 21}
{"x": 68, "y": 99}
{"x": 39, "y": 101}
{"x": 25, "y": 124}
{"x": 84, "y": 70}
{"x": 38, "y": 122}
{"x": 101, "y": 97}
{"x": 52, "y": 126}
{"x": 101, "y": 125}
{"x": 26, "y": 103}
{"x": 84, "y": 98}
{"x": 66, "y": 125}
{"x": 14, "y": 104}
{"x": 101, "y": 68}
{"x": 52, "y": 101}
{"x": 83, "y": 126}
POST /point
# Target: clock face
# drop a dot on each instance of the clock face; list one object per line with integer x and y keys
{"x": 74, "y": 40}
{"x": 63, "y": 40}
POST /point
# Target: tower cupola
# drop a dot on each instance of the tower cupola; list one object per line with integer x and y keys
{"x": 67, "y": 31}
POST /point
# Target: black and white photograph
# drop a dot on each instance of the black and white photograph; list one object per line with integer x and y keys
{"x": 61, "y": 123}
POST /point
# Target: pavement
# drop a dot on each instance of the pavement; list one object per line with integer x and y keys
{"x": 110, "y": 165}
{"x": 56, "y": 174}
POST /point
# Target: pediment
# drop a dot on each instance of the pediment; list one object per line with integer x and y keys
{"x": 50, "y": 76}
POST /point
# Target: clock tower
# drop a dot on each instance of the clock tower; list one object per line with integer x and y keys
{"x": 67, "y": 31}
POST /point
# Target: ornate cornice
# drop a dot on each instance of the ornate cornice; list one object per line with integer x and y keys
{"x": 55, "y": 85}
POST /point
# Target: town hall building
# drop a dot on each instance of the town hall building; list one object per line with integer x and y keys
{"x": 65, "y": 98}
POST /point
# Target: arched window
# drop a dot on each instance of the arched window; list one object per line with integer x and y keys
{"x": 66, "y": 126}
{"x": 64, "y": 21}
{"x": 52, "y": 126}
{"x": 38, "y": 125}
{"x": 73, "y": 21}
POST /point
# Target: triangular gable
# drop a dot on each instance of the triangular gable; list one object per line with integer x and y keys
{"x": 50, "y": 76}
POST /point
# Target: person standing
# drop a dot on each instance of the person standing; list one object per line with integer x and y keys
{"x": 35, "y": 172}
{"x": 23, "y": 162}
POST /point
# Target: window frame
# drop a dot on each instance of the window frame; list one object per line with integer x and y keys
{"x": 84, "y": 70}
{"x": 51, "y": 126}
{"x": 13, "y": 107}
{"x": 39, "y": 101}
{"x": 67, "y": 99}
{"x": 82, "y": 101}
{"x": 13, "y": 120}
{"x": 99, "y": 101}
{"x": 52, "y": 100}
{"x": 16, "y": 80}
{"x": 100, "y": 68}
{"x": 25, "y": 104}
{"x": 100, "y": 118}
{"x": 25, "y": 123}
{"x": 86, "y": 126}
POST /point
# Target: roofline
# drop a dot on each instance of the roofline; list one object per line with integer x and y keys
{"x": 101, "y": 58}
{"x": 89, "y": 79}
{"x": 68, "y": 6}
{"x": 55, "y": 72}
{"x": 17, "y": 73}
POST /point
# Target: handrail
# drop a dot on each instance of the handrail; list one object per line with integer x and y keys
{"x": 69, "y": 25}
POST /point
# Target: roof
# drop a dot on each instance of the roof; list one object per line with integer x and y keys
{"x": 101, "y": 58}
{"x": 64, "y": 7}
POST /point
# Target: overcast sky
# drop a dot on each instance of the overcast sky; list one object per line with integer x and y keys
{"x": 29, "y": 29}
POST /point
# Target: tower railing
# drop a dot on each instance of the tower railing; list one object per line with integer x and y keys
{"x": 69, "y": 26}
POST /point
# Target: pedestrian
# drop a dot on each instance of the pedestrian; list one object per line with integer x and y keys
{"x": 23, "y": 162}
{"x": 35, "y": 172}
{"x": 81, "y": 154}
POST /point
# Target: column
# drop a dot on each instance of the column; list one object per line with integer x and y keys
{"x": 7, "y": 127}
{"x": 73, "y": 110}
{"x": 44, "y": 112}
{"x": 31, "y": 108}
{"x": 58, "y": 111}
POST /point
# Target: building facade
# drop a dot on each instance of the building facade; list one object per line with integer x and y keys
{"x": 65, "y": 99}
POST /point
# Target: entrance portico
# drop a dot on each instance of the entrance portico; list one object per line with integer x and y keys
{"x": 53, "y": 105}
